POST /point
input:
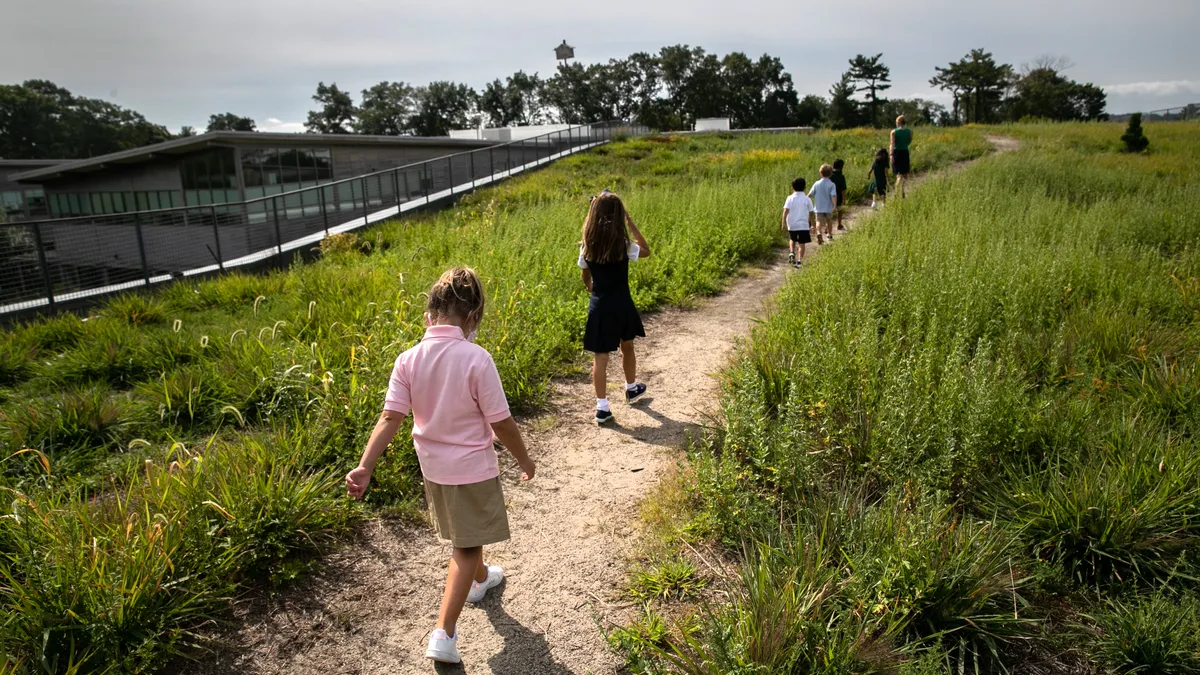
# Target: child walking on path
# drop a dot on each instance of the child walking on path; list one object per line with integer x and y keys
{"x": 824, "y": 196}
{"x": 839, "y": 180}
{"x": 613, "y": 320}
{"x": 798, "y": 219}
{"x": 879, "y": 169}
{"x": 454, "y": 391}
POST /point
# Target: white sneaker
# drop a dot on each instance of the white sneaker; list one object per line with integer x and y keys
{"x": 480, "y": 588}
{"x": 872, "y": 204}
{"x": 443, "y": 648}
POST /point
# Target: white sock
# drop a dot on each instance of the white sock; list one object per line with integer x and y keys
{"x": 630, "y": 386}
{"x": 602, "y": 404}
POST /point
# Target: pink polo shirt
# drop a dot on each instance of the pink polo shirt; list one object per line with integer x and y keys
{"x": 454, "y": 392}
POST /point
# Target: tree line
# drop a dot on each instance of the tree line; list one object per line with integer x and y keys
{"x": 667, "y": 90}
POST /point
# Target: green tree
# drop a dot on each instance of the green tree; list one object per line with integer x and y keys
{"x": 872, "y": 77}
{"x": 442, "y": 106}
{"x": 385, "y": 110}
{"x": 1043, "y": 91}
{"x": 843, "y": 112}
{"x": 1134, "y": 138}
{"x": 41, "y": 120}
{"x": 581, "y": 94}
{"x": 515, "y": 102}
{"x": 977, "y": 84}
{"x": 336, "y": 114}
{"x": 917, "y": 111}
{"x": 812, "y": 111}
{"x": 229, "y": 122}
{"x": 186, "y": 132}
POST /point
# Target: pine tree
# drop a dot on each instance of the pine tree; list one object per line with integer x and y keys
{"x": 1135, "y": 140}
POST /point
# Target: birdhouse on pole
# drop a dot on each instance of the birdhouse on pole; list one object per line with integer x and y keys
{"x": 564, "y": 51}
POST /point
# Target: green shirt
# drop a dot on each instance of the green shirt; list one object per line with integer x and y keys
{"x": 903, "y": 138}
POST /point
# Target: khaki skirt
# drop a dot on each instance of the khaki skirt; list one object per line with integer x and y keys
{"x": 468, "y": 515}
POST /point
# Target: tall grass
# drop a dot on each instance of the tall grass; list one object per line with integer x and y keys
{"x": 249, "y": 395}
{"x": 1018, "y": 343}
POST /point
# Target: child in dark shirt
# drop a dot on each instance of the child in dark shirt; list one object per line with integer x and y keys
{"x": 840, "y": 181}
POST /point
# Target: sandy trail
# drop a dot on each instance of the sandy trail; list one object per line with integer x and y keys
{"x": 371, "y": 608}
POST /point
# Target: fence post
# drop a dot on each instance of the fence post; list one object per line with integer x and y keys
{"x": 472, "y": 169}
{"x": 324, "y": 211}
{"x": 137, "y": 227}
{"x": 491, "y": 163}
{"x": 278, "y": 236}
{"x": 407, "y": 189}
{"x": 364, "y": 191}
{"x": 508, "y": 160}
{"x": 41, "y": 251}
{"x": 450, "y": 162}
{"x": 217, "y": 238}
{"x": 396, "y": 189}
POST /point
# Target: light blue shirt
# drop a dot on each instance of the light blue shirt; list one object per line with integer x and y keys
{"x": 824, "y": 194}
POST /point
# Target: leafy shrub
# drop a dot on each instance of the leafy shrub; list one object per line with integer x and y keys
{"x": 135, "y": 309}
{"x": 124, "y": 582}
{"x": 1155, "y": 634}
{"x": 187, "y": 398}
{"x": 72, "y": 428}
{"x": 1134, "y": 138}
{"x": 344, "y": 243}
{"x": 672, "y": 579}
{"x": 1123, "y": 512}
{"x": 17, "y": 360}
{"x": 53, "y": 334}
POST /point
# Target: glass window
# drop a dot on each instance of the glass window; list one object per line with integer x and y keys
{"x": 97, "y": 202}
{"x": 151, "y": 200}
{"x": 252, "y": 175}
{"x": 106, "y": 202}
{"x": 324, "y": 163}
{"x": 174, "y": 198}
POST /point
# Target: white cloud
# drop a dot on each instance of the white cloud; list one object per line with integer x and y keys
{"x": 276, "y": 124}
{"x": 1171, "y": 88}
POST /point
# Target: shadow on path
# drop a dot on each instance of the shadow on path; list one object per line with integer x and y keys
{"x": 669, "y": 433}
{"x": 524, "y": 652}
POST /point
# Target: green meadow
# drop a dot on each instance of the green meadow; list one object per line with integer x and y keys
{"x": 964, "y": 441}
{"x": 179, "y": 448}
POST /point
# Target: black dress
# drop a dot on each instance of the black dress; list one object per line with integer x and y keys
{"x": 612, "y": 316}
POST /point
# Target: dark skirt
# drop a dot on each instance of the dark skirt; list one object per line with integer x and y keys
{"x": 610, "y": 322}
{"x": 900, "y": 162}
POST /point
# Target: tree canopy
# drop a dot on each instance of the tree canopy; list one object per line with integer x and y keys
{"x": 41, "y": 120}
{"x": 872, "y": 77}
{"x": 230, "y": 122}
{"x": 336, "y": 114}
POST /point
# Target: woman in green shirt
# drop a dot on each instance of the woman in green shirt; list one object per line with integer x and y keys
{"x": 901, "y": 139}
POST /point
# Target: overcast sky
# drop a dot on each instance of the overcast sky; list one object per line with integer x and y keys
{"x": 177, "y": 62}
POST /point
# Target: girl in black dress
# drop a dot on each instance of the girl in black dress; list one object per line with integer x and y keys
{"x": 610, "y": 242}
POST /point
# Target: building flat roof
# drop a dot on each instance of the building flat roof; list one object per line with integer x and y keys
{"x": 6, "y": 163}
{"x": 180, "y": 146}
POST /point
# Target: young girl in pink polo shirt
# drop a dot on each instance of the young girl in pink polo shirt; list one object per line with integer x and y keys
{"x": 457, "y": 402}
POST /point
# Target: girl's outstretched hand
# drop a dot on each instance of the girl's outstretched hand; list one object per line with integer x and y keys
{"x": 357, "y": 481}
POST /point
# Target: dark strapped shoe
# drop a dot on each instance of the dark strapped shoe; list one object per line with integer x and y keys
{"x": 603, "y": 417}
{"x": 632, "y": 395}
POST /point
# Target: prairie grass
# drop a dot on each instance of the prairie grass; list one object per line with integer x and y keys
{"x": 251, "y": 395}
{"x": 997, "y": 374}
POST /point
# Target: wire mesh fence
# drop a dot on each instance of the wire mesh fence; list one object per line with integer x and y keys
{"x": 45, "y": 263}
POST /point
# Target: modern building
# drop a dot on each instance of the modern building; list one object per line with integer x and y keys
{"x": 232, "y": 199}
{"x": 220, "y": 167}
{"x": 17, "y": 201}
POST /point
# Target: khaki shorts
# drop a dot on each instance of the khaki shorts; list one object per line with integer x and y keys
{"x": 468, "y": 515}
{"x": 824, "y": 218}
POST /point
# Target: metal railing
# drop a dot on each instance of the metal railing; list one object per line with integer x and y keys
{"x": 1181, "y": 113}
{"x": 46, "y": 263}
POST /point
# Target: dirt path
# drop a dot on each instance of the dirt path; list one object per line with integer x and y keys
{"x": 371, "y": 609}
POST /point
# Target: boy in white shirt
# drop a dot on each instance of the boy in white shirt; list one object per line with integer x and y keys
{"x": 797, "y": 220}
{"x": 824, "y": 195}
